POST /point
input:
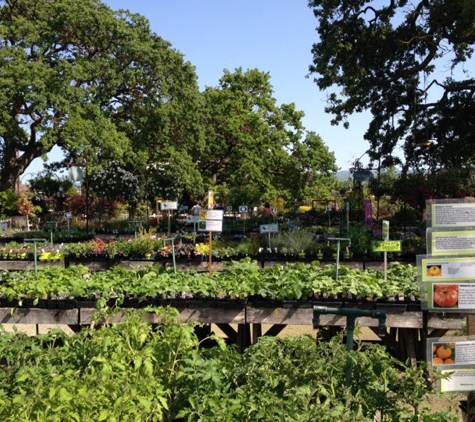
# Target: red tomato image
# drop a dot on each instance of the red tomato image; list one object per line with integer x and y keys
{"x": 446, "y": 295}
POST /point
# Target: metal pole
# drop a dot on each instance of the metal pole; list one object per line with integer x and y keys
{"x": 35, "y": 251}
{"x": 351, "y": 315}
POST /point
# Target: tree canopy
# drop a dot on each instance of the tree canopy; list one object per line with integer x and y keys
{"x": 104, "y": 88}
{"x": 408, "y": 63}
{"x": 97, "y": 83}
{"x": 256, "y": 149}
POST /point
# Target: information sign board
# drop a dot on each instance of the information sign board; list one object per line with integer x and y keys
{"x": 386, "y": 246}
{"x": 269, "y": 228}
{"x": 168, "y": 205}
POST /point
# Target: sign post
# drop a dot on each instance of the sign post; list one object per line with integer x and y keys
{"x": 167, "y": 206}
{"x": 385, "y": 233}
{"x": 269, "y": 228}
{"x": 211, "y": 221}
{"x": 449, "y": 285}
{"x": 243, "y": 209}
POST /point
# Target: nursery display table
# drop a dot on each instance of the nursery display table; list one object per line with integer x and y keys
{"x": 406, "y": 333}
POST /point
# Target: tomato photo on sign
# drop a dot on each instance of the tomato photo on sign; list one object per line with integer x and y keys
{"x": 443, "y": 353}
{"x": 446, "y": 295}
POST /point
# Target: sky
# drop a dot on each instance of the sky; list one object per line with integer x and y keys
{"x": 274, "y": 36}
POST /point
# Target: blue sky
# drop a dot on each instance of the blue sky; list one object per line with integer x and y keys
{"x": 273, "y": 36}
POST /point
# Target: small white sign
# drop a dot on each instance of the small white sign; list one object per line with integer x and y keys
{"x": 169, "y": 205}
{"x": 269, "y": 228}
{"x": 68, "y": 215}
{"x": 229, "y": 208}
{"x": 273, "y": 210}
{"x": 459, "y": 380}
{"x": 214, "y": 214}
{"x": 243, "y": 209}
{"x": 192, "y": 219}
{"x": 210, "y": 225}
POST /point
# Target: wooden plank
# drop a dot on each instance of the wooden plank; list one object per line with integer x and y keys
{"x": 256, "y": 332}
{"x": 214, "y": 315}
{"x": 274, "y": 330}
{"x": 304, "y": 316}
{"x": 447, "y": 321}
{"x": 203, "y": 315}
{"x": 39, "y": 316}
{"x": 286, "y": 316}
{"x": 230, "y": 332}
{"x": 28, "y": 265}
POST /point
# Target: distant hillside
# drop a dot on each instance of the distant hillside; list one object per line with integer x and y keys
{"x": 343, "y": 174}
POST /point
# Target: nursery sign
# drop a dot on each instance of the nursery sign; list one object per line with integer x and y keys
{"x": 211, "y": 220}
{"x": 455, "y": 357}
{"x": 448, "y": 283}
{"x": 452, "y": 214}
{"x": 386, "y": 246}
{"x": 169, "y": 205}
{"x": 269, "y": 228}
{"x": 451, "y": 242}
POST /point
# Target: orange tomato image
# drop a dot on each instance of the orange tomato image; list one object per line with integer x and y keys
{"x": 434, "y": 271}
{"x": 437, "y": 361}
{"x": 444, "y": 352}
{"x": 448, "y": 361}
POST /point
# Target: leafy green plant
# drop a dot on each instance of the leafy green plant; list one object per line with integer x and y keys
{"x": 134, "y": 371}
{"x": 239, "y": 279}
{"x": 295, "y": 241}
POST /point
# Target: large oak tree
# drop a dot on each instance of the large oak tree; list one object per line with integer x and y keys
{"x": 257, "y": 149}
{"x": 97, "y": 83}
{"x": 410, "y": 64}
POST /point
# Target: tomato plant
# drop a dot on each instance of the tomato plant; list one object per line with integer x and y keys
{"x": 133, "y": 371}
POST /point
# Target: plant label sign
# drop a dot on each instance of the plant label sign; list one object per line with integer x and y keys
{"x": 243, "y": 209}
{"x": 450, "y": 242}
{"x": 452, "y": 214}
{"x": 192, "y": 219}
{"x": 169, "y": 205}
{"x": 210, "y": 225}
{"x": 269, "y": 228}
{"x": 448, "y": 283}
{"x": 454, "y": 357}
{"x": 386, "y": 246}
{"x": 385, "y": 230}
{"x": 214, "y": 214}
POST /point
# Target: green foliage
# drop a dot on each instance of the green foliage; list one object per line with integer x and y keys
{"x": 295, "y": 241}
{"x": 389, "y": 59}
{"x": 102, "y": 86}
{"x": 8, "y": 200}
{"x": 257, "y": 149}
{"x": 114, "y": 183}
{"x": 133, "y": 371}
{"x": 241, "y": 279}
